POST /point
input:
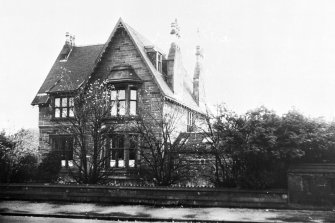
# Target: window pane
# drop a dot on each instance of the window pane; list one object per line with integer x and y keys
{"x": 131, "y": 163}
{"x": 57, "y": 102}
{"x": 64, "y": 102}
{"x": 122, "y": 94}
{"x": 113, "y": 155}
{"x": 113, "y": 142}
{"x": 114, "y": 109}
{"x": 113, "y": 103}
{"x": 132, "y": 154}
{"x": 133, "y": 94}
{"x": 132, "y": 108}
{"x": 121, "y": 154}
{"x": 63, "y": 163}
{"x": 121, "y": 141}
{"x": 71, "y": 112}
{"x": 57, "y": 113}
{"x": 121, "y": 163}
{"x": 112, "y": 163}
{"x": 133, "y": 142}
{"x": 122, "y": 108}
{"x": 64, "y": 112}
{"x": 69, "y": 154}
{"x": 71, "y": 103}
{"x": 113, "y": 95}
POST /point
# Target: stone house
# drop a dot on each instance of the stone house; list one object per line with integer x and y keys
{"x": 137, "y": 69}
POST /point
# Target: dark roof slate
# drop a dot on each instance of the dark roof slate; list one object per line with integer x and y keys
{"x": 193, "y": 138}
{"x": 70, "y": 74}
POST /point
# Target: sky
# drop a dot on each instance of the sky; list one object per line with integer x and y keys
{"x": 279, "y": 54}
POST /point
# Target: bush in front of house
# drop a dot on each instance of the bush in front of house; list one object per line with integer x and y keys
{"x": 48, "y": 169}
{"x": 18, "y": 156}
{"x": 255, "y": 150}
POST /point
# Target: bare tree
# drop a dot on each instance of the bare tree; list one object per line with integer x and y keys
{"x": 89, "y": 128}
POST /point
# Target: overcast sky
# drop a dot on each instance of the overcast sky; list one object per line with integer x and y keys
{"x": 275, "y": 53}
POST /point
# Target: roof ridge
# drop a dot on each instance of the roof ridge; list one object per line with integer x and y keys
{"x": 158, "y": 77}
{"x": 142, "y": 37}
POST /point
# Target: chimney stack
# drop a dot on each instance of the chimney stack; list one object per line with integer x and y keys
{"x": 197, "y": 73}
{"x": 173, "y": 62}
{"x": 69, "y": 39}
{"x": 67, "y": 48}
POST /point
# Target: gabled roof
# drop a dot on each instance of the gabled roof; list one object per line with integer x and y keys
{"x": 70, "y": 75}
{"x": 140, "y": 41}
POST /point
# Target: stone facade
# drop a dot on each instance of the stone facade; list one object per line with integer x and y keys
{"x": 124, "y": 54}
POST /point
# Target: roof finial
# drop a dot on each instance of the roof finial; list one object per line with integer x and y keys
{"x": 175, "y": 30}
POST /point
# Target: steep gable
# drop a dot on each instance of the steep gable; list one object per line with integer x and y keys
{"x": 83, "y": 62}
{"x": 141, "y": 42}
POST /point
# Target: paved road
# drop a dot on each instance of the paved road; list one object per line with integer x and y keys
{"x": 148, "y": 213}
{"x": 19, "y": 219}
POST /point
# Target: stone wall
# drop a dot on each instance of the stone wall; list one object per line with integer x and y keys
{"x": 210, "y": 197}
{"x": 46, "y": 127}
{"x": 311, "y": 185}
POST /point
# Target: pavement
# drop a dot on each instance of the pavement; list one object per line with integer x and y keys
{"x": 143, "y": 213}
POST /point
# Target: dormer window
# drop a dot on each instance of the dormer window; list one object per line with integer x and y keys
{"x": 63, "y": 107}
{"x": 159, "y": 62}
{"x": 155, "y": 57}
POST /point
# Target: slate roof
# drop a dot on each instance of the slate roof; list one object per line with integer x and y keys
{"x": 69, "y": 75}
{"x": 193, "y": 141}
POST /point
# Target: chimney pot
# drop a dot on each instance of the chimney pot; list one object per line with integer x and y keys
{"x": 67, "y": 38}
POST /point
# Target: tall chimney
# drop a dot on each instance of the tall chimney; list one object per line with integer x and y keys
{"x": 67, "y": 48}
{"x": 69, "y": 39}
{"x": 197, "y": 73}
{"x": 173, "y": 61}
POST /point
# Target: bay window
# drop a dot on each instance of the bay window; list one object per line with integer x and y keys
{"x": 133, "y": 102}
{"x": 124, "y": 102}
{"x": 121, "y": 150}
{"x": 133, "y": 142}
{"x": 118, "y": 102}
{"x": 117, "y": 150}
